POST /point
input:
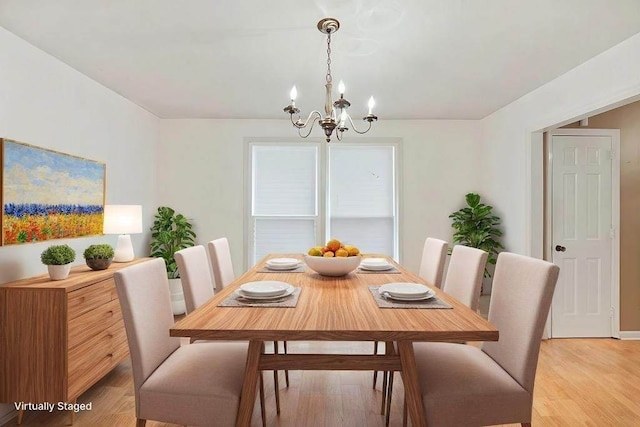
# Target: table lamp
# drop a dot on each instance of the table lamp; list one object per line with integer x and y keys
{"x": 123, "y": 220}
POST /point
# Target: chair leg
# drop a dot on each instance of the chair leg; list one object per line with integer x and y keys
{"x": 404, "y": 413}
{"x": 389, "y": 350}
{"x": 141, "y": 423}
{"x": 20, "y": 415}
{"x": 276, "y": 383}
{"x": 286, "y": 372}
{"x": 391, "y": 375}
{"x": 262, "y": 410}
{"x": 375, "y": 373}
{"x": 385, "y": 375}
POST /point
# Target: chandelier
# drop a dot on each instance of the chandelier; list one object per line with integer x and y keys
{"x": 335, "y": 112}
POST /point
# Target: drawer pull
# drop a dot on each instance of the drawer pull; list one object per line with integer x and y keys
{"x": 110, "y": 355}
{"x": 109, "y": 336}
{"x": 110, "y": 312}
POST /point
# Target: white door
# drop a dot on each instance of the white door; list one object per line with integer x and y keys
{"x": 582, "y": 234}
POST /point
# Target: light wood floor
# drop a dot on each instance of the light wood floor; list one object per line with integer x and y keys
{"x": 580, "y": 382}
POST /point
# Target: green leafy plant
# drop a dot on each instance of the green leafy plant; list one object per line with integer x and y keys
{"x": 98, "y": 252}
{"x": 170, "y": 233}
{"x": 58, "y": 255}
{"x": 475, "y": 226}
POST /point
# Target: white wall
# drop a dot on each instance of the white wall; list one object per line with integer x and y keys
{"x": 46, "y": 103}
{"x": 510, "y": 183}
{"x": 200, "y": 174}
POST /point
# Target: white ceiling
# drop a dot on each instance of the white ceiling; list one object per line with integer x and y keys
{"x": 421, "y": 59}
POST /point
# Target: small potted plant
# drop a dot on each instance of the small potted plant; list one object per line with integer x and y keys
{"x": 58, "y": 259}
{"x": 98, "y": 257}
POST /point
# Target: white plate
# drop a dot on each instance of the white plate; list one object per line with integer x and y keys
{"x": 405, "y": 290}
{"x": 286, "y": 293}
{"x": 421, "y": 298}
{"x": 374, "y": 261}
{"x": 372, "y": 267}
{"x": 282, "y": 261}
{"x": 264, "y": 288}
{"x": 283, "y": 267}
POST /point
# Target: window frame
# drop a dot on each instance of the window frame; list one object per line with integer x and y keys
{"x": 322, "y": 217}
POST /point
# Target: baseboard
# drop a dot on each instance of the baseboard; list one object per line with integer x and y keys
{"x": 630, "y": 335}
{"x": 8, "y": 417}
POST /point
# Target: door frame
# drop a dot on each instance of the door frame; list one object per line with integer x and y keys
{"x": 614, "y": 134}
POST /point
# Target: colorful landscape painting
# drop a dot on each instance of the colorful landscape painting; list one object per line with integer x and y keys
{"x": 48, "y": 195}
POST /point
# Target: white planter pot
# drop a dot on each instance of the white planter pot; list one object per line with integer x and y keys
{"x": 177, "y": 297}
{"x": 59, "y": 272}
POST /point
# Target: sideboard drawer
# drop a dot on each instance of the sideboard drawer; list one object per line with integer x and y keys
{"x": 90, "y": 297}
{"x": 95, "y": 357}
{"x": 93, "y": 322}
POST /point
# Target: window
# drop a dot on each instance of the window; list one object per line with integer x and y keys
{"x": 302, "y": 194}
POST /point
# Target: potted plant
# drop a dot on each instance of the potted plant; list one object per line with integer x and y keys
{"x": 170, "y": 233}
{"x": 99, "y": 257}
{"x": 58, "y": 259}
{"x": 475, "y": 226}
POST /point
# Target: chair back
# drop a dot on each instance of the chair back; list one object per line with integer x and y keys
{"x": 195, "y": 274}
{"x": 221, "y": 263}
{"x": 434, "y": 255}
{"x": 464, "y": 275}
{"x": 143, "y": 290}
{"x": 520, "y": 299}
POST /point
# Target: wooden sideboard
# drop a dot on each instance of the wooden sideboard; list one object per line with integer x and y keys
{"x": 58, "y": 338}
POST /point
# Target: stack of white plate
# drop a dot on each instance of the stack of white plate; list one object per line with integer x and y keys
{"x": 375, "y": 264}
{"x": 405, "y": 291}
{"x": 265, "y": 290}
{"x": 283, "y": 264}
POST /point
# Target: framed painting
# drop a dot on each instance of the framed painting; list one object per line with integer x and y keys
{"x": 48, "y": 195}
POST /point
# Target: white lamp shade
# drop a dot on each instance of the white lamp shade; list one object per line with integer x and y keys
{"x": 122, "y": 219}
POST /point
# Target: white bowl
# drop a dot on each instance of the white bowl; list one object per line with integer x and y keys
{"x": 334, "y": 266}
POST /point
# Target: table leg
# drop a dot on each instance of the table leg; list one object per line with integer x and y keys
{"x": 249, "y": 385}
{"x": 413, "y": 394}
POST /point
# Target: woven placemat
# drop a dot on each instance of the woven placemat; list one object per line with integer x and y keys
{"x": 300, "y": 269}
{"x": 392, "y": 270}
{"x": 235, "y": 300}
{"x": 382, "y": 302}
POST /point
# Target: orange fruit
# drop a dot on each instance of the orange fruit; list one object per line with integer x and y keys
{"x": 333, "y": 245}
{"x": 342, "y": 252}
{"x": 353, "y": 251}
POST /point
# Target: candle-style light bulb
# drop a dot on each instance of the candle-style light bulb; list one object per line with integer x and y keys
{"x": 371, "y": 104}
{"x": 293, "y": 94}
{"x": 341, "y": 88}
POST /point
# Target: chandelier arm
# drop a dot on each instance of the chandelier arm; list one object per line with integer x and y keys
{"x": 300, "y": 125}
{"x": 313, "y": 122}
{"x": 353, "y": 126}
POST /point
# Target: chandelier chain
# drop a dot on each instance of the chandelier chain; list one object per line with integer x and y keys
{"x": 329, "y": 78}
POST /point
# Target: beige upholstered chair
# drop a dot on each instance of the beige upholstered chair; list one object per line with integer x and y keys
{"x": 463, "y": 282}
{"x": 193, "y": 265}
{"x": 197, "y": 284}
{"x": 189, "y": 385}
{"x": 493, "y": 384}
{"x": 221, "y": 264}
{"x": 223, "y": 274}
{"x": 464, "y": 275}
{"x": 434, "y": 256}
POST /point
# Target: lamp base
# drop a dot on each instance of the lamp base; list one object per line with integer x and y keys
{"x": 124, "y": 249}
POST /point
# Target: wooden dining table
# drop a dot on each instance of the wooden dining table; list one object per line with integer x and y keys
{"x": 333, "y": 309}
